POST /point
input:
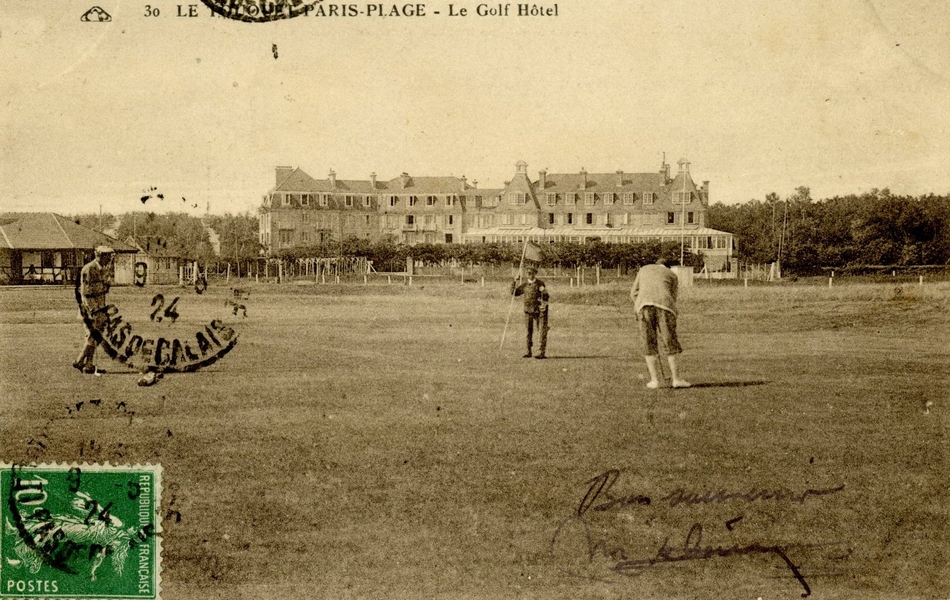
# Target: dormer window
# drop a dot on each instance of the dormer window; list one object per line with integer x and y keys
{"x": 589, "y": 198}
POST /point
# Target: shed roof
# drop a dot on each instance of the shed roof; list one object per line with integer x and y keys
{"x": 49, "y": 231}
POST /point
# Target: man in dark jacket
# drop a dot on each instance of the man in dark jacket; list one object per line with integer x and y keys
{"x": 535, "y": 309}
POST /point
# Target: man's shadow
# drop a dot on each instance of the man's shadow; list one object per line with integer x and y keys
{"x": 727, "y": 384}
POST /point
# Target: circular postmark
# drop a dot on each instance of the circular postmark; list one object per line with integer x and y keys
{"x": 165, "y": 335}
{"x": 260, "y": 11}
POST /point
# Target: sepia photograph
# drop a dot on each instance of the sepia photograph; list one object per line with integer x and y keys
{"x": 575, "y": 299}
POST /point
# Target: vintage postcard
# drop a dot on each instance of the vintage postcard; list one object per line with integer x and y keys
{"x": 456, "y": 299}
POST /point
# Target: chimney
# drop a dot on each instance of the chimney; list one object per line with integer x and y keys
{"x": 372, "y": 180}
{"x": 282, "y": 174}
{"x": 665, "y": 170}
{"x": 543, "y": 179}
{"x": 464, "y": 183}
{"x": 706, "y": 190}
{"x": 619, "y": 178}
{"x": 684, "y": 165}
{"x": 332, "y": 176}
{"x": 475, "y": 184}
{"x": 404, "y": 180}
{"x": 583, "y": 179}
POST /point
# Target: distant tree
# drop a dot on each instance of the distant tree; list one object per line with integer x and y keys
{"x": 182, "y": 231}
{"x": 238, "y": 236}
{"x": 102, "y": 223}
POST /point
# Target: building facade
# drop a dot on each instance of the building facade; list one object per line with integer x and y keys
{"x": 613, "y": 207}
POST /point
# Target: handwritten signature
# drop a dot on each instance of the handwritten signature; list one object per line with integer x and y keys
{"x": 600, "y": 489}
{"x": 599, "y": 498}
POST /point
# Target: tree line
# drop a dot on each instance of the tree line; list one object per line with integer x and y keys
{"x": 388, "y": 254}
{"x": 875, "y": 228}
{"x": 182, "y": 234}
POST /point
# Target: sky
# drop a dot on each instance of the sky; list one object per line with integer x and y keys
{"x": 761, "y": 97}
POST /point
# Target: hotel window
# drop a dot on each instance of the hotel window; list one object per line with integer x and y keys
{"x": 589, "y": 198}
{"x": 305, "y": 237}
{"x": 570, "y": 218}
{"x": 393, "y": 200}
{"x": 671, "y": 217}
{"x": 570, "y": 198}
{"x": 524, "y": 219}
{"x": 348, "y": 201}
{"x": 550, "y": 218}
{"x": 506, "y": 219}
{"x": 607, "y": 219}
{"x": 450, "y": 220}
{"x": 629, "y": 198}
{"x": 449, "y": 200}
{"x": 430, "y": 220}
{"x": 689, "y": 217}
{"x": 609, "y": 198}
{"x": 305, "y": 199}
{"x": 285, "y": 236}
{"x": 590, "y": 218}
{"x": 552, "y": 199}
{"x": 324, "y": 199}
{"x": 413, "y": 200}
{"x": 682, "y": 197}
{"x": 367, "y": 201}
{"x": 516, "y": 198}
{"x": 648, "y": 197}
{"x": 430, "y": 200}
{"x": 305, "y": 217}
{"x": 285, "y": 200}
{"x": 366, "y": 220}
{"x": 410, "y": 220}
{"x": 626, "y": 218}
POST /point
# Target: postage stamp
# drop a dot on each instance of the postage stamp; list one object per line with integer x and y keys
{"x": 80, "y": 531}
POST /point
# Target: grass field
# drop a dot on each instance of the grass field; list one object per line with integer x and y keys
{"x": 374, "y": 442}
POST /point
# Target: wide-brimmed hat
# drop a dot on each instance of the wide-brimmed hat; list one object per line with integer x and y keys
{"x": 104, "y": 250}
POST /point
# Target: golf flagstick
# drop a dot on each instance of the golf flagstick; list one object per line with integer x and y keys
{"x": 512, "y": 299}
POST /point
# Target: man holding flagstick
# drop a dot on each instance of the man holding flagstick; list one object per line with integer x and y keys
{"x": 535, "y": 299}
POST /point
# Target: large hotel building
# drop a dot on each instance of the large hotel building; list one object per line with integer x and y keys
{"x": 301, "y": 211}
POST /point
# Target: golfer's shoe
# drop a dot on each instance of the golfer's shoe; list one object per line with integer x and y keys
{"x": 150, "y": 378}
{"x": 79, "y": 366}
{"x": 653, "y": 384}
{"x": 540, "y": 356}
{"x": 528, "y": 355}
{"x": 91, "y": 370}
{"x": 681, "y": 383}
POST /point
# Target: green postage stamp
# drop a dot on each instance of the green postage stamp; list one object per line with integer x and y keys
{"x": 80, "y": 531}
